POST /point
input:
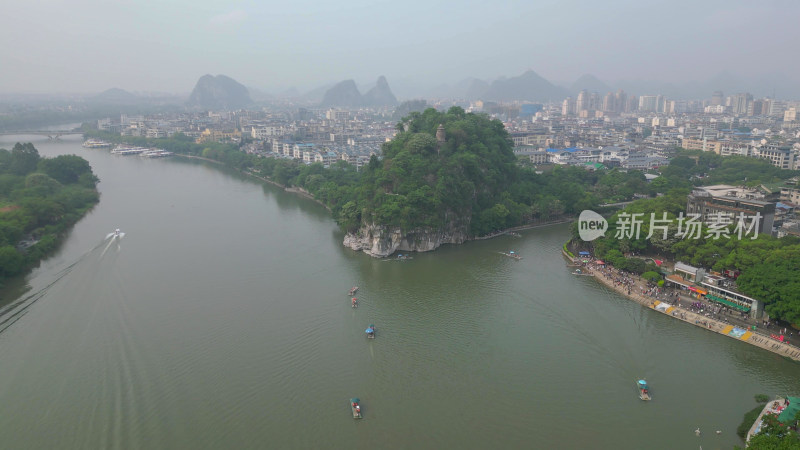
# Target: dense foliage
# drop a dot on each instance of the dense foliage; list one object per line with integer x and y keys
{"x": 751, "y": 416}
{"x": 423, "y": 183}
{"x": 39, "y": 199}
{"x": 774, "y": 436}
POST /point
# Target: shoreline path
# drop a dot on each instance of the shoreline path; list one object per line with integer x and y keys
{"x": 634, "y": 286}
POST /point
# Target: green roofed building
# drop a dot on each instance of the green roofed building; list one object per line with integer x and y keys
{"x": 731, "y": 298}
{"x": 594, "y": 166}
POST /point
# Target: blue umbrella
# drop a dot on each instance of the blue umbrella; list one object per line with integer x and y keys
{"x": 369, "y": 330}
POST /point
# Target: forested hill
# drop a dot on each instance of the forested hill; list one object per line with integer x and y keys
{"x": 423, "y": 183}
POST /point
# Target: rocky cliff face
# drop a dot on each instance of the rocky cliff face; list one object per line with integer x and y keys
{"x": 344, "y": 94}
{"x": 380, "y": 95}
{"x": 381, "y": 241}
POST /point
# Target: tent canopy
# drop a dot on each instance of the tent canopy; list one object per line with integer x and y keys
{"x": 584, "y": 253}
{"x": 787, "y": 415}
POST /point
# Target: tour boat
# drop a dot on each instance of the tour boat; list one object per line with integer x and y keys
{"x": 355, "y": 406}
{"x": 512, "y": 254}
{"x": 156, "y": 153}
{"x": 94, "y": 143}
{"x": 644, "y": 391}
{"x": 128, "y": 150}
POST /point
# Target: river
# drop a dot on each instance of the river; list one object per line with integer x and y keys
{"x": 222, "y": 320}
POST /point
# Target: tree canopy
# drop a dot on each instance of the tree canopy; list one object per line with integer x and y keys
{"x": 770, "y": 267}
{"x": 39, "y": 199}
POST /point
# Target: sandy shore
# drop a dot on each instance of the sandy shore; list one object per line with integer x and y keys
{"x": 726, "y": 329}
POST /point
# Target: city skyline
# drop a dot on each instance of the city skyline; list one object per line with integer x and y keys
{"x": 167, "y": 47}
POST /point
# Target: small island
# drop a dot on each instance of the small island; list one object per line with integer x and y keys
{"x": 40, "y": 199}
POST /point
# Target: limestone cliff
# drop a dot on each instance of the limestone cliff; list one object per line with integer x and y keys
{"x": 381, "y": 241}
{"x": 219, "y": 92}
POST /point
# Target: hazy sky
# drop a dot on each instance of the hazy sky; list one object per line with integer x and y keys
{"x": 166, "y": 45}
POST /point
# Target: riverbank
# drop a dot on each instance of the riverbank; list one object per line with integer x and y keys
{"x": 529, "y": 226}
{"x": 295, "y": 190}
{"x": 610, "y": 278}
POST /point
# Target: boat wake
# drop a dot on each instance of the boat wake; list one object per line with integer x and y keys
{"x": 14, "y": 311}
{"x": 115, "y": 234}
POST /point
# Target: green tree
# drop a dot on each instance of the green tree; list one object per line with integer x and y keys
{"x": 24, "y": 158}
{"x": 66, "y": 169}
{"x": 11, "y": 261}
{"x": 774, "y": 436}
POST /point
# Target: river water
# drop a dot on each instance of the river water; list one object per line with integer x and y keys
{"x": 222, "y": 320}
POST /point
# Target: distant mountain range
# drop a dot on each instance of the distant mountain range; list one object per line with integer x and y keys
{"x": 346, "y": 94}
{"x": 222, "y": 92}
{"x": 219, "y": 92}
{"x": 527, "y": 87}
{"x": 116, "y": 96}
{"x": 590, "y": 83}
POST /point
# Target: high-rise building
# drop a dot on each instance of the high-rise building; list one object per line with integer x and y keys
{"x": 582, "y": 101}
{"x": 568, "y": 107}
{"x": 717, "y": 98}
{"x": 609, "y": 104}
{"x": 758, "y": 107}
{"x": 776, "y": 108}
{"x": 632, "y": 103}
{"x": 620, "y": 100}
{"x": 649, "y": 103}
{"x": 594, "y": 101}
{"x": 740, "y": 102}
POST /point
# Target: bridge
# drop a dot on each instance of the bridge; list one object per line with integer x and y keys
{"x": 52, "y": 134}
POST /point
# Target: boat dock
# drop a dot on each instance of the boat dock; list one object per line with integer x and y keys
{"x": 145, "y": 152}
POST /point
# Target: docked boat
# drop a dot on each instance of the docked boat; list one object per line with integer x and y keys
{"x": 370, "y": 331}
{"x": 128, "y": 150}
{"x": 581, "y": 273}
{"x": 355, "y": 406}
{"x": 156, "y": 153}
{"x": 352, "y": 291}
{"x": 96, "y": 143}
{"x": 644, "y": 390}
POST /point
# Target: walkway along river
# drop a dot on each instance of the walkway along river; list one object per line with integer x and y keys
{"x": 607, "y": 276}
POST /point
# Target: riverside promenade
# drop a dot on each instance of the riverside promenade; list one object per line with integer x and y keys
{"x": 634, "y": 287}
